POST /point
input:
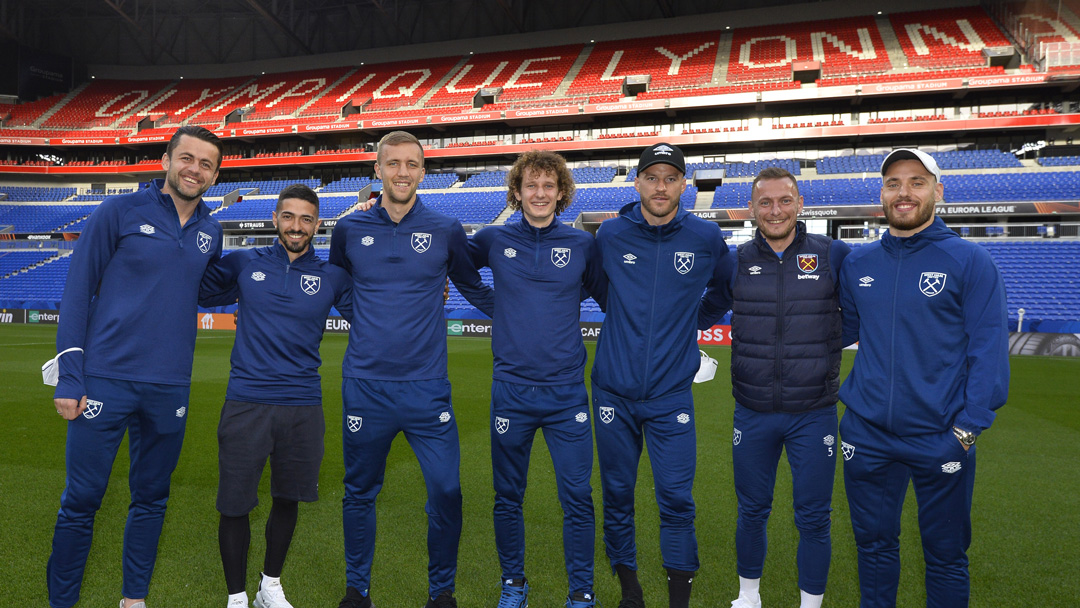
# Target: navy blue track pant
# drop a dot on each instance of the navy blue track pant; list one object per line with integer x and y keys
{"x": 878, "y": 466}
{"x": 517, "y": 411}
{"x": 375, "y": 411}
{"x": 154, "y": 416}
{"x": 667, "y": 426}
{"x": 811, "y": 444}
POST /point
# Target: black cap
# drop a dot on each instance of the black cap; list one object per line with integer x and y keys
{"x": 662, "y": 153}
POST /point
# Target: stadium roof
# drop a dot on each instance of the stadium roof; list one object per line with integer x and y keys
{"x": 193, "y": 32}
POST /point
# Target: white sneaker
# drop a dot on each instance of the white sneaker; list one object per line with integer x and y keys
{"x": 744, "y": 602}
{"x": 238, "y": 601}
{"x": 270, "y": 595}
{"x": 135, "y": 605}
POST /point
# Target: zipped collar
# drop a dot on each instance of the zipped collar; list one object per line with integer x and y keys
{"x": 278, "y": 251}
{"x": 632, "y": 212}
{"x": 201, "y": 210}
{"x": 936, "y": 231}
{"x": 531, "y": 230}
{"x": 381, "y": 212}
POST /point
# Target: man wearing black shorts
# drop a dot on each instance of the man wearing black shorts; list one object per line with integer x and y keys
{"x": 273, "y": 404}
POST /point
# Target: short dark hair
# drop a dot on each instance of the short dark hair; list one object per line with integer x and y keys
{"x": 396, "y": 138}
{"x": 541, "y": 161}
{"x": 301, "y": 192}
{"x": 198, "y": 133}
{"x": 774, "y": 173}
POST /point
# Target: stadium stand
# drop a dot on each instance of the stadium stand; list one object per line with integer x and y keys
{"x": 36, "y": 193}
{"x": 843, "y": 46}
{"x": 18, "y": 261}
{"x": 487, "y": 179}
{"x": 402, "y": 84}
{"x": 671, "y": 62}
{"x": 947, "y": 38}
{"x": 1059, "y": 161}
{"x": 103, "y": 102}
{"x": 593, "y": 175}
{"x": 42, "y": 218}
{"x": 263, "y": 186}
{"x": 527, "y": 74}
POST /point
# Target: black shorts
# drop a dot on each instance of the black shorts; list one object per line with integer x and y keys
{"x": 291, "y": 436}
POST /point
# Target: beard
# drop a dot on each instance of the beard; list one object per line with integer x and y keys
{"x": 294, "y": 247}
{"x": 183, "y": 190}
{"x": 923, "y": 214}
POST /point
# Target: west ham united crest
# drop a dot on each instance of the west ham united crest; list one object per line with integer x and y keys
{"x": 203, "y": 241}
{"x": 421, "y": 241}
{"x": 931, "y": 283}
{"x": 93, "y": 408}
{"x": 808, "y": 262}
{"x": 354, "y": 423}
{"x": 736, "y": 437}
{"x": 607, "y": 414}
{"x": 501, "y": 425}
{"x": 684, "y": 261}
{"x": 847, "y": 449}
{"x": 310, "y": 284}
{"x": 560, "y": 256}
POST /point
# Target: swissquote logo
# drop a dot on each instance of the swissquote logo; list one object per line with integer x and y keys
{"x": 354, "y": 423}
{"x": 808, "y": 262}
{"x": 560, "y": 256}
{"x": 931, "y": 283}
{"x": 310, "y": 284}
{"x": 93, "y": 408}
{"x": 684, "y": 261}
{"x": 607, "y": 414}
{"x": 501, "y": 425}
{"x": 203, "y": 241}
{"x": 420, "y": 241}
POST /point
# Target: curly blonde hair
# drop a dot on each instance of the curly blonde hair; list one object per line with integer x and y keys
{"x": 541, "y": 162}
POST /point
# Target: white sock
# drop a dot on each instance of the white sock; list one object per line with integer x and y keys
{"x": 810, "y": 600}
{"x": 748, "y": 588}
{"x": 238, "y": 596}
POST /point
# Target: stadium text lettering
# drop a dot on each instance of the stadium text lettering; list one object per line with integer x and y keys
{"x": 6, "y": 317}
{"x": 590, "y": 332}
{"x": 336, "y": 324}
{"x": 968, "y": 209}
{"x": 817, "y": 212}
{"x": 717, "y": 334}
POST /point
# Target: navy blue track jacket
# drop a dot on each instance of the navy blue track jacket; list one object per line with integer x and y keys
{"x": 930, "y": 315}
{"x": 539, "y": 275}
{"x": 656, "y": 276}
{"x": 132, "y": 290}
{"x": 282, "y": 315}
{"x": 398, "y": 273}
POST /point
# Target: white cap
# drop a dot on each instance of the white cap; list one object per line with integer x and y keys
{"x": 911, "y": 153}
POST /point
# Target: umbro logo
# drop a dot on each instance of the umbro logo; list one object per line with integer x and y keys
{"x": 180, "y": 412}
{"x": 629, "y": 258}
{"x": 258, "y": 276}
{"x": 367, "y": 241}
{"x": 683, "y": 418}
{"x": 581, "y": 417}
{"x": 866, "y": 281}
{"x": 830, "y": 440}
{"x": 146, "y": 229}
{"x": 510, "y": 252}
{"x": 755, "y": 270}
{"x": 444, "y": 417}
{"x": 662, "y": 149}
{"x": 950, "y": 467}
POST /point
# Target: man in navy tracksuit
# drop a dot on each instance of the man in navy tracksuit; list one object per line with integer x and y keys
{"x": 658, "y": 259}
{"x": 129, "y": 311}
{"x": 540, "y": 266}
{"x": 273, "y": 405}
{"x": 785, "y": 376}
{"x": 929, "y": 311}
{"x": 399, "y": 254}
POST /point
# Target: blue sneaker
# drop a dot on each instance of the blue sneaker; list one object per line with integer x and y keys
{"x": 515, "y": 593}
{"x": 581, "y": 600}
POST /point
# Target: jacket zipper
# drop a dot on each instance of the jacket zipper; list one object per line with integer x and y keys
{"x": 892, "y": 338}
{"x": 652, "y": 315}
{"x": 777, "y": 367}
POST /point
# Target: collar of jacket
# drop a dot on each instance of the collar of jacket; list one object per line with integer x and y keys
{"x": 764, "y": 246}
{"x": 201, "y": 210}
{"x": 380, "y": 212}
{"x": 632, "y": 212}
{"x": 936, "y": 231}
{"x": 528, "y": 228}
{"x": 278, "y": 251}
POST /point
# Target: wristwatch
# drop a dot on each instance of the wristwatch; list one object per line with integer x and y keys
{"x": 966, "y": 437}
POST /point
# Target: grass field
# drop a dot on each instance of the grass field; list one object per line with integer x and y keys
{"x": 1026, "y": 516}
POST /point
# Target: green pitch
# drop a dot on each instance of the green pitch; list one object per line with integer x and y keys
{"x": 1026, "y": 515}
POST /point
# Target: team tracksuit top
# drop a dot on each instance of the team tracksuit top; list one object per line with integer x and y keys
{"x": 785, "y": 324}
{"x": 131, "y": 297}
{"x": 282, "y": 315}
{"x": 656, "y": 276}
{"x": 539, "y": 274}
{"x": 398, "y": 273}
{"x": 929, "y": 311}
